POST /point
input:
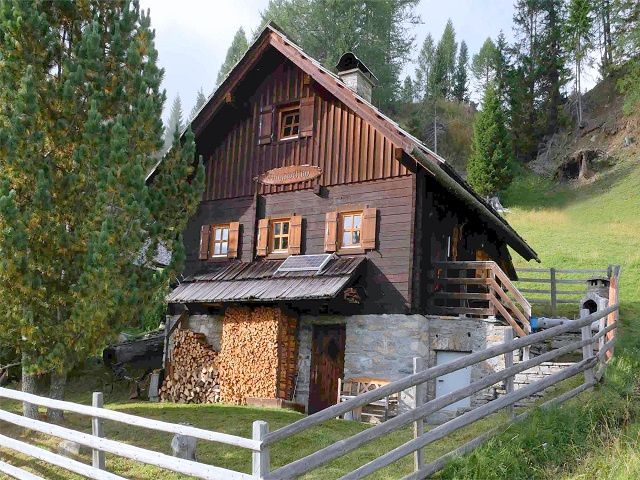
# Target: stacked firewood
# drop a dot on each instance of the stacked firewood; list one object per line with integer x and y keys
{"x": 193, "y": 377}
{"x": 249, "y": 353}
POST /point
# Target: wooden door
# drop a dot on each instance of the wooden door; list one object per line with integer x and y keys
{"x": 327, "y": 365}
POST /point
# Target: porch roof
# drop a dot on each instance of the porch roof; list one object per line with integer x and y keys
{"x": 260, "y": 282}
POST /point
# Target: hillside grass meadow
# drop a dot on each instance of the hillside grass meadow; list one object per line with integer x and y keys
{"x": 596, "y": 435}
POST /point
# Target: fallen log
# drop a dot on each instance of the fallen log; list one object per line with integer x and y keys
{"x": 141, "y": 353}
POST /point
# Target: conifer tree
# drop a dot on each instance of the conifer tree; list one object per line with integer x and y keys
{"x": 425, "y": 67}
{"x": 490, "y": 164}
{"x": 239, "y": 46}
{"x": 81, "y": 105}
{"x": 578, "y": 28}
{"x": 483, "y": 64}
{"x": 461, "y": 79}
{"x": 200, "y": 101}
{"x": 407, "y": 93}
{"x": 445, "y": 63}
{"x": 175, "y": 124}
{"x": 377, "y": 31}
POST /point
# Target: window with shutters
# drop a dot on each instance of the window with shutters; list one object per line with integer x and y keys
{"x": 219, "y": 240}
{"x": 351, "y": 230}
{"x": 280, "y": 236}
{"x": 289, "y": 123}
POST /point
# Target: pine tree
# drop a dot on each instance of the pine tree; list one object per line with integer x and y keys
{"x": 483, "y": 64}
{"x": 626, "y": 23}
{"x": 578, "y": 28}
{"x": 461, "y": 80}
{"x": 490, "y": 164}
{"x": 425, "y": 67}
{"x": 407, "y": 93}
{"x": 200, "y": 101}
{"x": 239, "y": 46}
{"x": 445, "y": 63}
{"x": 175, "y": 123}
{"x": 81, "y": 105}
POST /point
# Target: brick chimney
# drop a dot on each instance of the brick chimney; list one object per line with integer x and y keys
{"x": 356, "y": 75}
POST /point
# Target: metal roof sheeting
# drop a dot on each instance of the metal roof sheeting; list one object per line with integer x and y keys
{"x": 259, "y": 282}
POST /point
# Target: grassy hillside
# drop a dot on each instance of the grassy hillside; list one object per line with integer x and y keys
{"x": 582, "y": 224}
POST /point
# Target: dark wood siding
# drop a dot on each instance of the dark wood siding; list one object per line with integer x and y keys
{"x": 220, "y": 212}
{"x": 345, "y": 147}
{"x": 389, "y": 265}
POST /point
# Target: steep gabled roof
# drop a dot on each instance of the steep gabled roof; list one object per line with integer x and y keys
{"x": 272, "y": 36}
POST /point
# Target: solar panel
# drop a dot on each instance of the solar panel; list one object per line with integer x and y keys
{"x": 305, "y": 263}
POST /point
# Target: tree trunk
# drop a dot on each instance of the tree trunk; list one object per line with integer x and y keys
{"x": 56, "y": 391}
{"x": 28, "y": 386}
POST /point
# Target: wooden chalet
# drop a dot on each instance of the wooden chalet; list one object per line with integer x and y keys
{"x": 322, "y": 214}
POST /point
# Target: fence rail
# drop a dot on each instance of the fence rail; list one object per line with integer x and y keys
{"x": 551, "y": 277}
{"x": 592, "y": 366}
{"x": 100, "y": 445}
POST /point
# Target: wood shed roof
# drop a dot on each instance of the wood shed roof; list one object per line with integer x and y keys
{"x": 261, "y": 282}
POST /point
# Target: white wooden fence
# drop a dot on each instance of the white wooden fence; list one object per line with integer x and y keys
{"x": 591, "y": 366}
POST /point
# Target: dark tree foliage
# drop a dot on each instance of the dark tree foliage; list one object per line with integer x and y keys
{"x": 377, "y": 31}
{"x": 200, "y": 101}
{"x": 175, "y": 122}
{"x": 444, "y": 66}
{"x": 490, "y": 165}
{"x": 461, "y": 78}
{"x": 80, "y": 107}
{"x": 239, "y": 46}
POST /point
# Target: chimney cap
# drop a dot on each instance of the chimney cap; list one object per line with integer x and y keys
{"x": 349, "y": 61}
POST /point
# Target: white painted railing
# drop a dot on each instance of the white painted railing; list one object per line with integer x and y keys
{"x": 592, "y": 366}
{"x": 100, "y": 445}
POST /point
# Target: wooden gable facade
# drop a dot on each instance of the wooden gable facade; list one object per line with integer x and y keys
{"x": 278, "y": 108}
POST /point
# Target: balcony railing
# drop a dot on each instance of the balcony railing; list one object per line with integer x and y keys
{"x": 479, "y": 289}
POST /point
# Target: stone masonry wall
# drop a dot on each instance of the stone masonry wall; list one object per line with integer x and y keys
{"x": 466, "y": 335}
{"x": 379, "y": 346}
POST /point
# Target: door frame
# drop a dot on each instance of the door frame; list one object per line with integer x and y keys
{"x": 318, "y": 399}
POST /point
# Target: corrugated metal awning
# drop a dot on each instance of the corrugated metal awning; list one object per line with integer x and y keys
{"x": 259, "y": 282}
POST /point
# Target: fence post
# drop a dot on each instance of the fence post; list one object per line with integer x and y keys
{"x": 492, "y": 294}
{"x": 98, "y": 431}
{"x": 508, "y": 362}
{"x": 587, "y": 350}
{"x": 418, "y": 426}
{"x": 260, "y": 460}
{"x": 554, "y": 290}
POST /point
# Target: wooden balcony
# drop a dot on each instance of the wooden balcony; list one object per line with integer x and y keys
{"x": 479, "y": 289}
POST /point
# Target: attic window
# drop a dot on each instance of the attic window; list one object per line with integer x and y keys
{"x": 289, "y": 122}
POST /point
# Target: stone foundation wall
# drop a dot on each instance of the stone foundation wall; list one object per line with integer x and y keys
{"x": 466, "y": 335}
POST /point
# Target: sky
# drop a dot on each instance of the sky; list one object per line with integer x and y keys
{"x": 192, "y": 36}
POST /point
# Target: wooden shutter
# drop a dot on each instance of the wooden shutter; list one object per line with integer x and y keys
{"x": 369, "y": 219}
{"x": 331, "y": 232}
{"x": 263, "y": 237}
{"x": 306, "y": 117}
{"x": 265, "y": 128}
{"x": 234, "y": 235}
{"x": 295, "y": 234}
{"x": 204, "y": 242}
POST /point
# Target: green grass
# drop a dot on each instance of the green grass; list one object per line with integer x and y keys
{"x": 596, "y": 435}
{"x": 236, "y": 420}
{"x": 593, "y": 436}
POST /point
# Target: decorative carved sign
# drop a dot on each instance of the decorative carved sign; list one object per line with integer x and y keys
{"x": 288, "y": 175}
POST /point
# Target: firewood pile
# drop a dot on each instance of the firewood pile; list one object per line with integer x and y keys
{"x": 249, "y": 354}
{"x": 194, "y": 374}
